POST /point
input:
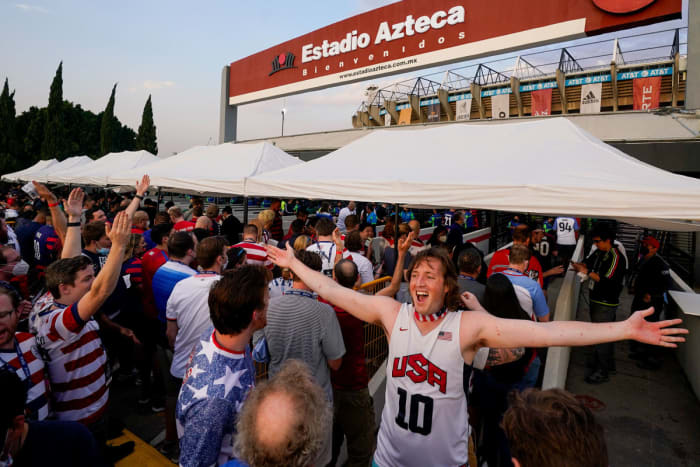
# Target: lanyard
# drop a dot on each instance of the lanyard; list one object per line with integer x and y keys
{"x": 515, "y": 271}
{"x": 208, "y": 273}
{"x": 469, "y": 278}
{"x": 330, "y": 256}
{"x": 22, "y": 362}
{"x": 301, "y": 293}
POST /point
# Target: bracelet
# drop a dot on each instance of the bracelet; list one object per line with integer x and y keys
{"x": 73, "y": 224}
{"x": 53, "y": 205}
{"x": 139, "y": 197}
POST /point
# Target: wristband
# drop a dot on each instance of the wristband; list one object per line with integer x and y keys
{"x": 53, "y": 205}
{"x": 73, "y": 224}
{"x": 139, "y": 197}
{"x": 338, "y": 253}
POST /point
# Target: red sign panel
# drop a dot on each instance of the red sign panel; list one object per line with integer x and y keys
{"x": 414, "y": 34}
{"x": 542, "y": 102}
{"x": 646, "y": 93}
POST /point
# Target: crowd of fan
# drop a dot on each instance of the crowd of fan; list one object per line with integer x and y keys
{"x": 182, "y": 303}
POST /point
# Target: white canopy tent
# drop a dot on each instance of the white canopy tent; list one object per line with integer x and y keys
{"x": 17, "y": 176}
{"x": 70, "y": 163}
{"x": 544, "y": 166}
{"x": 220, "y": 169}
{"x": 98, "y": 171}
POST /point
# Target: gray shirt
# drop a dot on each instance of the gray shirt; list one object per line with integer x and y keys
{"x": 301, "y": 327}
{"x": 467, "y": 284}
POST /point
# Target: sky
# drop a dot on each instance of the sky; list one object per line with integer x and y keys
{"x": 175, "y": 51}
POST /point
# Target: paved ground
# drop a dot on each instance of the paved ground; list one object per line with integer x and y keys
{"x": 651, "y": 418}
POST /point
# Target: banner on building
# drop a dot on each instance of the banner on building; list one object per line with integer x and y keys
{"x": 464, "y": 109}
{"x": 542, "y": 102}
{"x": 387, "y": 119}
{"x": 434, "y": 112}
{"x": 646, "y": 93}
{"x": 405, "y": 116}
{"x": 500, "y": 106}
{"x": 591, "y": 95}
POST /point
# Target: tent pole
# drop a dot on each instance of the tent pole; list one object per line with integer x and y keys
{"x": 396, "y": 231}
{"x": 159, "y": 199}
{"x": 245, "y": 210}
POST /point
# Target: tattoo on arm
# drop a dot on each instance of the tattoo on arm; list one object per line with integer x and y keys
{"x": 501, "y": 356}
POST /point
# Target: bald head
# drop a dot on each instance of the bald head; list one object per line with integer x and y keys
{"x": 284, "y": 420}
{"x": 414, "y": 225}
{"x": 276, "y": 418}
{"x": 346, "y": 273}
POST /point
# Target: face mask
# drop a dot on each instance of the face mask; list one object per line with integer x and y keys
{"x": 442, "y": 238}
{"x": 103, "y": 251}
{"x": 644, "y": 250}
{"x": 21, "y": 268}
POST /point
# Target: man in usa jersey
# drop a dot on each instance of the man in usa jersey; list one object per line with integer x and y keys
{"x": 430, "y": 342}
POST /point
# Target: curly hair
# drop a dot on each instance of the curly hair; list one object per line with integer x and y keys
{"x": 309, "y": 419}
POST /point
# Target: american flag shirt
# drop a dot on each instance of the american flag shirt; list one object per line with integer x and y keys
{"x": 215, "y": 385}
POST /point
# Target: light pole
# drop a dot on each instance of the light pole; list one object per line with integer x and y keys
{"x": 284, "y": 111}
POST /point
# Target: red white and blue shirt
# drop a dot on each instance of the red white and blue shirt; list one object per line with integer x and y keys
{"x": 215, "y": 385}
{"x": 76, "y": 362}
{"x": 25, "y": 360}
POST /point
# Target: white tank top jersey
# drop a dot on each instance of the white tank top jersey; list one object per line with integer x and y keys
{"x": 425, "y": 419}
{"x": 566, "y": 228}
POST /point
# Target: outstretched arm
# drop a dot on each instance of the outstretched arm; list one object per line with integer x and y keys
{"x": 368, "y": 308}
{"x": 141, "y": 189}
{"x": 74, "y": 208}
{"x": 398, "y": 270}
{"x": 481, "y": 329}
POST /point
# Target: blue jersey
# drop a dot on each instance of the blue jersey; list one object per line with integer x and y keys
{"x": 406, "y": 216}
{"x": 47, "y": 247}
{"x": 529, "y": 293}
{"x": 164, "y": 281}
{"x": 215, "y": 385}
{"x": 372, "y": 218}
{"x": 435, "y": 219}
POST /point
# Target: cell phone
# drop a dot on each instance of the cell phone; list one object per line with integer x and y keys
{"x": 30, "y": 190}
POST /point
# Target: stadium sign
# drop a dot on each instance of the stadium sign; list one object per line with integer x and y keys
{"x": 415, "y": 34}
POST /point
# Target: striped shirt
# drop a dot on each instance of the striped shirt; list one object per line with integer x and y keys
{"x": 76, "y": 361}
{"x": 132, "y": 268}
{"x": 256, "y": 253}
{"x": 47, "y": 247}
{"x": 30, "y": 369}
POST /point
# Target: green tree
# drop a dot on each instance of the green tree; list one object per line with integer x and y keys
{"x": 146, "y": 138}
{"x": 54, "y": 143}
{"x": 107, "y": 133}
{"x": 8, "y": 141}
{"x": 31, "y": 127}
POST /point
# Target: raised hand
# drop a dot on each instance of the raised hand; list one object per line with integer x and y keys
{"x": 44, "y": 193}
{"x": 282, "y": 258}
{"x": 120, "y": 230}
{"x": 470, "y": 301}
{"x": 74, "y": 205}
{"x": 405, "y": 244}
{"x": 337, "y": 238}
{"x": 142, "y": 186}
{"x": 655, "y": 333}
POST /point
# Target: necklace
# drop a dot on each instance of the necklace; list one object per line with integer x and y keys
{"x": 432, "y": 317}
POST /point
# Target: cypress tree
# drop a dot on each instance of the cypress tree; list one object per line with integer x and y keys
{"x": 8, "y": 142}
{"x": 146, "y": 138}
{"x": 107, "y": 128}
{"x": 54, "y": 133}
